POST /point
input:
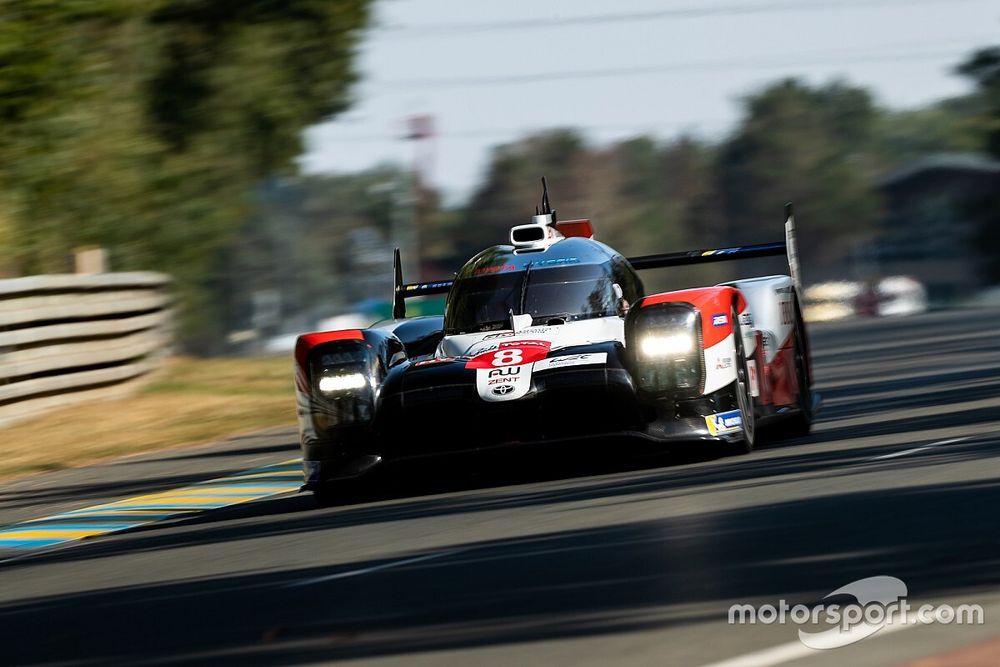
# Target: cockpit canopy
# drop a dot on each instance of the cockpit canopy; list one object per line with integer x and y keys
{"x": 573, "y": 280}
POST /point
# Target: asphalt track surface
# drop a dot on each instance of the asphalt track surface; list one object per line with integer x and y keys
{"x": 609, "y": 555}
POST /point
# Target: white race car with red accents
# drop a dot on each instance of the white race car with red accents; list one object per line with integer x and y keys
{"x": 552, "y": 337}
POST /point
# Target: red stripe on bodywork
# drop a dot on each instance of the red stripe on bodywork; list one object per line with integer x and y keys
{"x": 528, "y": 351}
{"x": 709, "y": 302}
{"x": 580, "y": 228}
{"x": 780, "y": 373}
{"x": 307, "y": 342}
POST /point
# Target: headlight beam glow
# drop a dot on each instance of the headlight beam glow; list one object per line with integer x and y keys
{"x": 666, "y": 345}
{"x": 329, "y": 384}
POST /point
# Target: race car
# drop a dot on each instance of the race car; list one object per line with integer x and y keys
{"x": 552, "y": 337}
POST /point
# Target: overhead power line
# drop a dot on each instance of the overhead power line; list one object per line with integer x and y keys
{"x": 457, "y": 29}
{"x": 790, "y": 61}
{"x": 480, "y": 133}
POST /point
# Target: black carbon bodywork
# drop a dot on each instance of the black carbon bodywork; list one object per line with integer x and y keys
{"x": 431, "y": 407}
{"x": 391, "y": 392}
{"x": 440, "y": 401}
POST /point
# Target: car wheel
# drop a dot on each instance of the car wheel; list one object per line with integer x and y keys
{"x": 801, "y": 424}
{"x": 336, "y": 492}
{"x": 744, "y": 398}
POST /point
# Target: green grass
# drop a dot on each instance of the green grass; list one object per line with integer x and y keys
{"x": 192, "y": 401}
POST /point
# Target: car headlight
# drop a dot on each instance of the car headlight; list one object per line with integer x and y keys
{"x": 666, "y": 339}
{"x": 667, "y": 345}
{"x": 344, "y": 392}
{"x": 333, "y": 384}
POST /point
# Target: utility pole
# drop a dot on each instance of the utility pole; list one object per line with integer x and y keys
{"x": 420, "y": 130}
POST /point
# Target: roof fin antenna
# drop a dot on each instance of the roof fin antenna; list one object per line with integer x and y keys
{"x": 398, "y": 296}
{"x": 546, "y": 207}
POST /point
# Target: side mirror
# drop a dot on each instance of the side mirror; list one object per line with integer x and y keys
{"x": 623, "y": 305}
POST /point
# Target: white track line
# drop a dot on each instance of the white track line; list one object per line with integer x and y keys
{"x": 918, "y": 449}
{"x": 783, "y": 653}
{"x": 174, "y": 595}
{"x": 373, "y": 568}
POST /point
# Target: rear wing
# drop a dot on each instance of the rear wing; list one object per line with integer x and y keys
{"x": 402, "y": 291}
{"x": 687, "y": 257}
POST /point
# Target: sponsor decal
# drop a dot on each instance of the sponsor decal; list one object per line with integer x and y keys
{"x": 722, "y": 363}
{"x": 561, "y": 261}
{"x": 787, "y": 312}
{"x": 720, "y": 320}
{"x": 486, "y": 270}
{"x": 511, "y": 353}
{"x": 569, "y": 360}
{"x": 480, "y": 348}
{"x": 746, "y": 320}
{"x": 527, "y": 343}
{"x": 506, "y": 383}
{"x": 506, "y": 334}
{"x": 439, "y": 360}
{"x": 752, "y": 372}
{"x": 500, "y": 372}
{"x": 421, "y": 286}
{"x": 507, "y": 375}
{"x": 724, "y": 422}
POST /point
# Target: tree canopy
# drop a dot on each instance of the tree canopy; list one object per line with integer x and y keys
{"x": 143, "y": 126}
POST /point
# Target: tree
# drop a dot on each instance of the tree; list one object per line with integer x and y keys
{"x": 983, "y": 67}
{"x": 953, "y": 125}
{"x": 642, "y": 196}
{"x": 142, "y": 126}
{"x": 809, "y": 145}
{"x": 512, "y": 188}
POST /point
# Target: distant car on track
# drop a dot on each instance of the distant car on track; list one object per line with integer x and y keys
{"x": 552, "y": 337}
{"x": 830, "y": 301}
{"x": 901, "y": 295}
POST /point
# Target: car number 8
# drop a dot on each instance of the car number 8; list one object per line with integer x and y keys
{"x": 508, "y": 357}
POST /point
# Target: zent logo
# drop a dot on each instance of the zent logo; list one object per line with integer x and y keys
{"x": 720, "y": 320}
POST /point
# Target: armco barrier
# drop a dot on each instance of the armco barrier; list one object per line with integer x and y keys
{"x": 68, "y": 338}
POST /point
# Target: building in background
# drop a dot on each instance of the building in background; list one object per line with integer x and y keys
{"x": 934, "y": 216}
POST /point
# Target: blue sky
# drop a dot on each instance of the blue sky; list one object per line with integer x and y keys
{"x": 488, "y": 72}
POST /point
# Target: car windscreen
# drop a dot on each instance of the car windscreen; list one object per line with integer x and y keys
{"x": 567, "y": 293}
{"x": 483, "y": 303}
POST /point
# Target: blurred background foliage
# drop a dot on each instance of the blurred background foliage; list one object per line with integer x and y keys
{"x": 823, "y": 147}
{"x": 983, "y": 67}
{"x": 166, "y": 131}
{"x": 144, "y": 126}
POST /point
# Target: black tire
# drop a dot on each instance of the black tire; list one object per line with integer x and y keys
{"x": 800, "y": 425}
{"x": 744, "y": 398}
{"x": 336, "y": 492}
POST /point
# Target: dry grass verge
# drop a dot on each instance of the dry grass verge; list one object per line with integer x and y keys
{"x": 192, "y": 401}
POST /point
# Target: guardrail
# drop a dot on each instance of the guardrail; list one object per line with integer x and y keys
{"x": 69, "y": 338}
